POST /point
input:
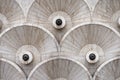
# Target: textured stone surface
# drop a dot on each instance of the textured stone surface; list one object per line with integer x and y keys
{"x": 88, "y": 26}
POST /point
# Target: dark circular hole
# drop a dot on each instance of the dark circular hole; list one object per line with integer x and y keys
{"x": 92, "y": 56}
{"x": 59, "y": 22}
{"x": 25, "y": 57}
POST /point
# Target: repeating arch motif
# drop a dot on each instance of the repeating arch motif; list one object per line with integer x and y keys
{"x": 94, "y": 38}
{"x": 59, "y": 39}
{"x": 20, "y": 40}
{"x": 74, "y": 12}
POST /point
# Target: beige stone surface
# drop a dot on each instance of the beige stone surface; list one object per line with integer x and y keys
{"x": 30, "y": 27}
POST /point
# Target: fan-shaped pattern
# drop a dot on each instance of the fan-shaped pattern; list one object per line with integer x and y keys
{"x": 107, "y": 11}
{"x": 10, "y": 13}
{"x": 10, "y": 71}
{"x": 59, "y": 69}
{"x": 109, "y": 70}
{"x": 11, "y": 10}
{"x": 103, "y": 40}
{"x": 43, "y": 11}
{"x": 77, "y": 38}
{"x": 106, "y": 8}
{"x": 36, "y": 40}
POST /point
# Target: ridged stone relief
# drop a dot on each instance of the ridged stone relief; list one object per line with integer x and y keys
{"x": 70, "y": 12}
{"x": 27, "y": 41}
{"x": 107, "y": 11}
{"x": 59, "y": 39}
{"x": 89, "y": 39}
{"x": 10, "y": 13}
{"x": 59, "y": 69}
{"x": 110, "y": 70}
{"x": 10, "y": 71}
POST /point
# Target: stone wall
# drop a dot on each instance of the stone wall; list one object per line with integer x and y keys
{"x": 59, "y": 39}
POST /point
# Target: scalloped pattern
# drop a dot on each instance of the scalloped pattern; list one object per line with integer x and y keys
{"x": 90, "y": 25}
